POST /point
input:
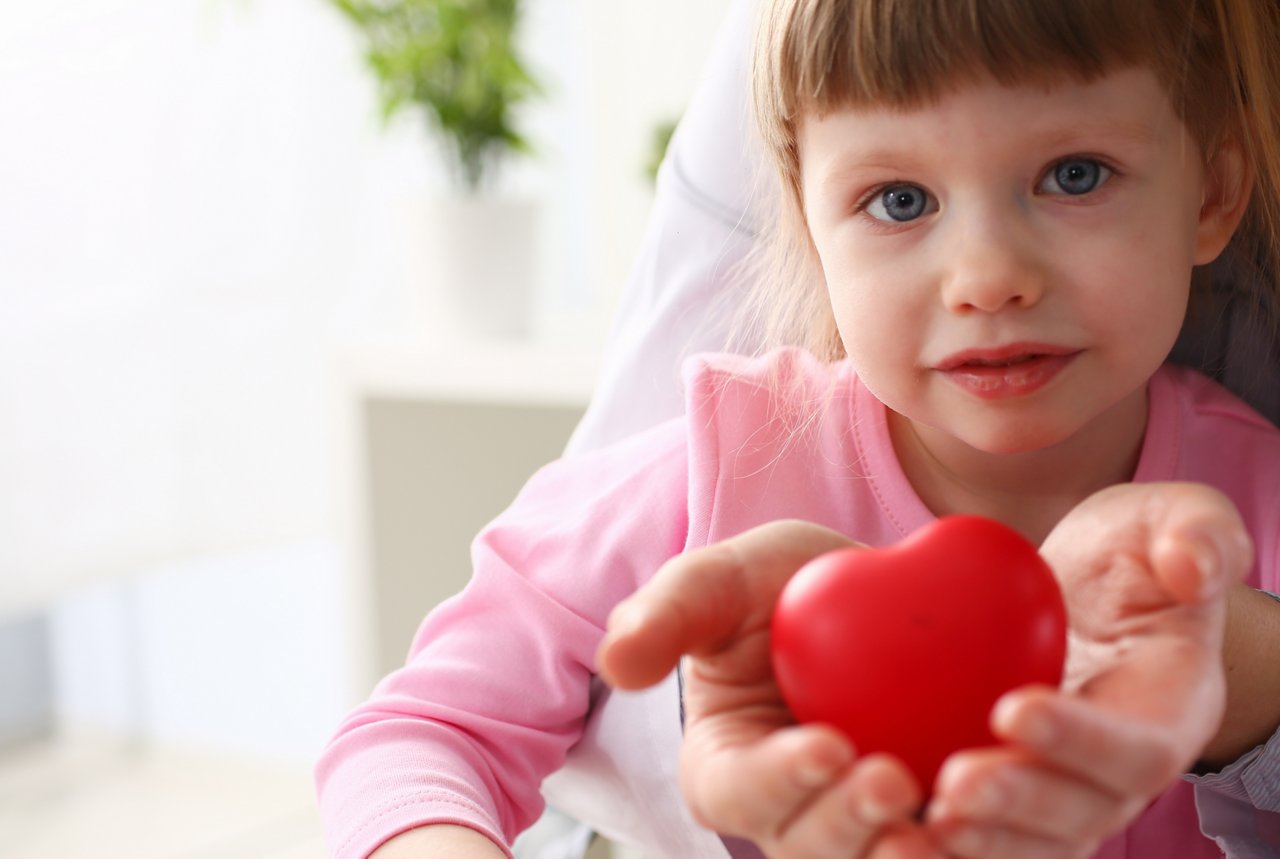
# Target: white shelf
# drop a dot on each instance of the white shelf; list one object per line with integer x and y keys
{"x": 509, "y": 371}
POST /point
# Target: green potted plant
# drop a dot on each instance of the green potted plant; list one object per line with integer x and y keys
{"x": 456, "y": 63}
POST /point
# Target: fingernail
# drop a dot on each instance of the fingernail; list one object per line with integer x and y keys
{"x": 939, "y": 809}
{"x": 1037, "y": 730}
{"x": 1208, "y": 562}
{"x": 951, "y": 770}
{"x": 872, "y": 811}
{"x": 1236, "y": 547}
{"x": 820, "y": 765}
{"x": 1003, "y": 716}
{"x": 812, "y": 773}
{"x": 982, "y": 799}
{"x": 624, "y": 620}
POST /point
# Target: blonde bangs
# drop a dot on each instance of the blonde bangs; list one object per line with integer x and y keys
{"x": 816, "y": 55}
{"x": 908, "y": 52}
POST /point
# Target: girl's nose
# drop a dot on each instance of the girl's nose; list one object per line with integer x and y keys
{"x": 991, "y": 270}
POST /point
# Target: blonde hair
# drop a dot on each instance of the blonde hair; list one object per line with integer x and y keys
{"x": 1219, "y": 60}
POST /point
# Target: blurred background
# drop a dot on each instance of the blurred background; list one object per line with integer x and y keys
{"x": 250, "y": 413}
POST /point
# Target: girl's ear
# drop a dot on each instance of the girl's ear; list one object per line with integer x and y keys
{"x": 1228, "y": 184}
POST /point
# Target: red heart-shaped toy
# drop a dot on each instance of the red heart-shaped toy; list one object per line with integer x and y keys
{"x": 906, "y": 648}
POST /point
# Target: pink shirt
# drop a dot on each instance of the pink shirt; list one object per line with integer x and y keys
{"x": 499, "y": 692}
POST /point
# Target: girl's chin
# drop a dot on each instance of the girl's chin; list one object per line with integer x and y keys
{"x": 1007, "y": 438}
{"x": 1014, "y": 447}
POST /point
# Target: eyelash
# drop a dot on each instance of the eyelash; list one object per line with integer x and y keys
{"x": 864, "y": 202}
{"x": 1109, "y": 172}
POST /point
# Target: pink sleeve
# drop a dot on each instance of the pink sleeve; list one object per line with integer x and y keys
{"x": 496, "y": 687}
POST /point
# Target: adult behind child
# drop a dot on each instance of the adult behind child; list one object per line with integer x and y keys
{"x": 500, "y": 687}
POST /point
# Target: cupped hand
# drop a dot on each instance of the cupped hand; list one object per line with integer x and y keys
{"x": 746, "y": 768}
{"x": 1144, "y": 570}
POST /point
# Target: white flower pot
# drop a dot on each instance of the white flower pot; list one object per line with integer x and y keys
{"x": 482, "y": 261}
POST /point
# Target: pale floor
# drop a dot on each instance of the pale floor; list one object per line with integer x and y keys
{"x": 68, "y": 800}
{"x": 86, "y": 798}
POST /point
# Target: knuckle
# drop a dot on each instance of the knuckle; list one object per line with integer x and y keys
{"x": 1161, "y": 767}
{"x": 784, "y": 847}
{"x": 1108, "y": 820}
{"x": 707, "y": 811}
{"x": 715, "y": 810}
{"x": 833, "y": 831}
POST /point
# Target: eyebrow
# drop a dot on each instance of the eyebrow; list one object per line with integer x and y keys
{"x": 1060, "y": 138}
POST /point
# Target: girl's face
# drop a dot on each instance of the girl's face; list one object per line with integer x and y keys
{"x": 1008, "y": 266}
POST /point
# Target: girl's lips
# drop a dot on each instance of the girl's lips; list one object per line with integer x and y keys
{"x": 1010, "y": 371}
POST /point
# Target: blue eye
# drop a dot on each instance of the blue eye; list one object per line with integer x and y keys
{"x": 899, "y": 203}
{"x": 1075, "y": 176}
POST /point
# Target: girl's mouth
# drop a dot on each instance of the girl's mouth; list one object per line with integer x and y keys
{"x": 1010, "y": 371}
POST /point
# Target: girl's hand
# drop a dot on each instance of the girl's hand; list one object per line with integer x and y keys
{"x": 1144, "y": 569}
{"x": 745, "y": 768}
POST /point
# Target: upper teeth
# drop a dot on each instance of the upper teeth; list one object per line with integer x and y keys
{"x": 1003, "y": 362}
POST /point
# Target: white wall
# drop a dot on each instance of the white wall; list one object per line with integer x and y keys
{"x": 238, "y": 653}
{"x": 198, "y": 206}
{"x": 179, "y": 181}
{"x": 644, "y": 58}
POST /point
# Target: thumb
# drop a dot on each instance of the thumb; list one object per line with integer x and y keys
{"x": 691, "y": 600}
{"x": 701, "y": 602}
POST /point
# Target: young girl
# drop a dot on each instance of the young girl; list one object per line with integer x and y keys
{"x": 1005, "y": 205}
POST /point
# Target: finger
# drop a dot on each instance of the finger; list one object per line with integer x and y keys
{"x": 971, "y": 841}
{"x": 692, "y": 599}
{"x": 1003, "y": 788}
{"x": 699, "y": 601}
{"x": 1123, "y": 756}
{"x": 1199, "y": 546}
{"x": 752, "y": 789}
{"x": 1192, "y": 533}
{"x": 904, "y": 842}
{"x": 849, "y": 818}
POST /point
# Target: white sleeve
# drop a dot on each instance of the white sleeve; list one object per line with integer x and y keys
{"x": 707, "y": 210}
